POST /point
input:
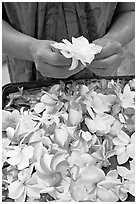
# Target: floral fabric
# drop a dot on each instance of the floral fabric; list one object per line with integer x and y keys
{"x": 55, "y": 21}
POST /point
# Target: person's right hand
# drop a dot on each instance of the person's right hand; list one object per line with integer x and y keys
{"x": 49, "y": 61}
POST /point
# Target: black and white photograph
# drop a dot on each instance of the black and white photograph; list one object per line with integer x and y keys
{"x": 68, "y": 101}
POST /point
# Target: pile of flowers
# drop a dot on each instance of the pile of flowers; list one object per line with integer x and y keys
{"x": 63, "y": 145}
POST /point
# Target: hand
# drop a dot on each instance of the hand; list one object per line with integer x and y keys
{"x": 109, "y": 59}
{"x": 50, "y": 62}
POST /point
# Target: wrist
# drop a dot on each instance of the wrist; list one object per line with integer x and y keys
{"x": 32, "y": 45}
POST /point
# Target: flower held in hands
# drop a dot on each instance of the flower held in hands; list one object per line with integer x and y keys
{"x": 79, "y": 49}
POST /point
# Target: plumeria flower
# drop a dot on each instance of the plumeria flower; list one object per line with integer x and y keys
{"x": 24, "y": 127}
{"x": 10, "y": 119}
{"x": 100, "y": 124}
{"x": 79, "y": 49}
{"x": 124, "y": 146}
{"x": 101, "y": 103}
{"x": 52, "y": 168}
{"x": 107, "y": 187}
{"x": 26, "y": 185}
{"x": 92, "y": 185}
{"x": 48, "y": 119}
{"x": 127, "y": 97}
{"x": 129, "y": 179}
{"x": 48, "y": 102}
{"x": 20, "y": 155}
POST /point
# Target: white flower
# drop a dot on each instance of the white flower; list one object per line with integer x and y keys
{"x": 124, "y": 146}
{"x": 48, "y": 102}
{"x": 10, "y": 119}
{"x": 51, "y": 169}
{"x": 20, "y": 155}
{"x": 79, "y": 49}
{"x": 5, "y": 144}
{"x": 26, "y": 185}
{"x": 129, "y": 177}
{"x": 127, "y": 98}
{"x": 100, "y": 124}
{"x": 99, "y": 102}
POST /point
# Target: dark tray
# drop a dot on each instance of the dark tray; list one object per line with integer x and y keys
{"x": 37, "y": 85}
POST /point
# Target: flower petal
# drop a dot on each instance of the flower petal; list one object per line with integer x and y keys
{"x": 123, "y": 137}
{"x": 46, "y": 162}
{"x": 74, "y": 116}
{"x": 132, "y": 189}
{"x": 59, "y": 157}
{"x": 131, "y": 150}
{"x": 66, "y": 54}
{"x": 89, "y": 58}
{"x": 25, "y": 174}
{"x": 5, "y": 119}
{"x": 123, "y": 157}
{"x": 26, "y": 154}
{"x": 122, "y": 171}
{"x": 61, "y": 136}
{"x": 91, "y": 125}
{"x": 60, "y": 46}
{"x": 106, "y": 195}
{"x": 67, "y": 42}
{"x": 39, "y": 107}
{"x": 74, "y": 64}
{"x": 80, "y": 42}
{"x": 49, "y": 99}
{"x": 22, "y": 197}
{"x": 33, "y": 191}
{"x": 78, "y": 191}
{"x": 96, "y": 176}
{"x": 109, "y": 183}
{"x": 118, "y": 142}
{"x": 120, "y": 149}
{"x": 86, "y": 136}
{"x": 10, "y": 133}
{"x": 15, "y": 189}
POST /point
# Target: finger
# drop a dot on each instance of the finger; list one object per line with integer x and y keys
{"x": 109, "y": 47}
{"x": 104, "y": 72}
{"x": 109, "y": 50}
{"x": 51, "y": 71}
{"x": 57, "y": 72}
{"x": 56, "y": 59}
{"x": 113, "y": 61}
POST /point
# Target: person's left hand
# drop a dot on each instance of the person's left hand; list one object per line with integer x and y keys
{"x": 109, "y": 59}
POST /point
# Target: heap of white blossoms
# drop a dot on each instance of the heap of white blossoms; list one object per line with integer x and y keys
{"x": 79, "y": 50}
{"x": 63, "y": 145}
